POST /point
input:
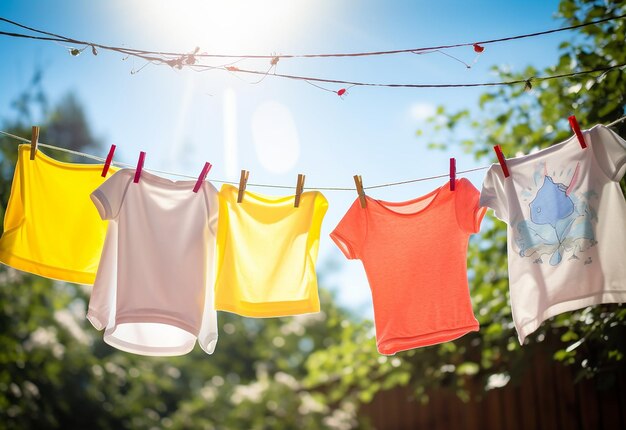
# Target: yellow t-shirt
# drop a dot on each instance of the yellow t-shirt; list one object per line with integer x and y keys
{"x": 51, "y": 227}
{"x": 266, "y": 253}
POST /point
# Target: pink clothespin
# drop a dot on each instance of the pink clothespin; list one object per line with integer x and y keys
{"x": 502, "y": 160}
{"x": 574, "y": 124}
{"x": 202, "y": 177}
{"x": 107, "y": 163}
{"x": 142, "y": 157}
{"x": 452, "y": 173}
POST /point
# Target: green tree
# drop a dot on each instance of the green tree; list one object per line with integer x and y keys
{"x": 56, "y": 372}
{"x": 590, "y": 339}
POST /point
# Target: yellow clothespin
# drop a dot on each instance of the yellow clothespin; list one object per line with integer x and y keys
{"x": 33, "y": 142}
{"x": 299, "y": 189}
{"x": 358, "y": 181}
{"x": 242, "y": 185}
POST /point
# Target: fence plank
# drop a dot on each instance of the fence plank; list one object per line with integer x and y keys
{"x": 569, "y": 412}
{"x": 545, "y": 398}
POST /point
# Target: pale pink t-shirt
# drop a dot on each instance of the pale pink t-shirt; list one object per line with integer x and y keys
{"x": 153, "y": 292}
{"x": 414, "y": 254}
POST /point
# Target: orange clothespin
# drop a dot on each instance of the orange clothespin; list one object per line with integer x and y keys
{"x": 34, "y": 140}
{"x": 502, "y": 160}
{"x": 108, "y": 161}
{"x": 142, "y": 157}
{"x": 452, "y": 173}
{"x": 358, "y": 181}
{"x": 574, "y": 124}
{"x": 202, "y": 177}
{"x": 243, "y": 181}
{"x": 299, "y": 189}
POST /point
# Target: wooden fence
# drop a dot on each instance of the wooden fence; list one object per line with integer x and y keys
{"x": 545, "y": 398}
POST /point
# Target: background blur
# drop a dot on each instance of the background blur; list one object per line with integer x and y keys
{"x": 314, "y": 371}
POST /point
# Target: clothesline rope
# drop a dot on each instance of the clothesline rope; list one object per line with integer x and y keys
{"x": 178, "y": 60}
{"x": 60, "y": 38}
{"x": 371, "y": 187}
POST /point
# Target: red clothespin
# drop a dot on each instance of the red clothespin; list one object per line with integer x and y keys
{"x": 358, "y": 181}
{"x": 299, "y": 189}
{"x": 243, "y": 181}
{"x": 574, "y": 124}
{"x": 107, "y": 163}
{"x": 34, "y": 139}
{"x": 142, "y": 157}
{"x": 452, "y": 173}
{"x": 502, "y": 160}
{"x": 202, "y": 177}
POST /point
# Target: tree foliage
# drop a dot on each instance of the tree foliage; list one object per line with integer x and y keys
{"x": 518, "y": 120}
{"x": 310, "y": 371}
{"x": 56, "y": 372}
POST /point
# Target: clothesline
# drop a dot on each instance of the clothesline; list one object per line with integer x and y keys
{"x": 178, "y": 60}
{"x": 60, "y": 38}
{"x": 180, "y": 175}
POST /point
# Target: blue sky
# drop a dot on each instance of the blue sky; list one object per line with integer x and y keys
{"x": 278, "y": 128}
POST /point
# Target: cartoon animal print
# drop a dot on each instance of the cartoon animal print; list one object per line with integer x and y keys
{"x": 559, "y": 222}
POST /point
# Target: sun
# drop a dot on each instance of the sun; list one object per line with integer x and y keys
{"x": 226, "y": 27}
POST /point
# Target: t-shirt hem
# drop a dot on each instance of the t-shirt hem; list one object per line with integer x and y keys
{"x": 259, "y": 313}
{"x": 101, "y": 203}
{"x": 209, "y": 343}
{"x": 343, "y": 245}
{"x": 160, "y": 351}
{"x": 570, "y": 305}
{"x": 149, "y": 350}
{"x": 159, "y": 319}
{"x": 96, "y": 319}
{"x": 391, "y": 346}
{"x": 45, "y": 270}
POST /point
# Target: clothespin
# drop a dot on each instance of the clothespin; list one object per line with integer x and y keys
{"x": 34, "y": 140}
{"x": 452, "y": 173}
{"x": 142, "y": 157}
{"x": 107, "y": 163}
{"x": 299, "y": 189}
{"x": 243, "y": 181}
{"x": 202, "y": 177}
{"x": 358, "y": 181}
{"x": 502, "y": 160}
{"x": 574, "y": 124}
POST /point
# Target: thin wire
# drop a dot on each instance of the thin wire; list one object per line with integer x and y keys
{"x": 371, "y": 187}
{"x": 351, "y": 54}
{"x": 188, "y": 60}
{"x": 232, "y": 70}
{"x": 386, "y": 85}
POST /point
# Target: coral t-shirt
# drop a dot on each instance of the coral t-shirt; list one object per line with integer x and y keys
{"x": 414, "y": 254}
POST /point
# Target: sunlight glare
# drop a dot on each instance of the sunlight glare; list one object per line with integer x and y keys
{"x": 275, "y": 137}
{"x": 226, "y": 26}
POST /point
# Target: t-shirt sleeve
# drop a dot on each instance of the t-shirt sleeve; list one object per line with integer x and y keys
{"x": 610, "y": 152}
{"x": 208, "y": 335}
{"x": 108, "y": 197}
{"x": 213, "y": 205}
{"x": 14, "y": 213}
{"x": 492, "y": 194}
{"x": 469, "y": 212}
{"x": 349, "y": 235}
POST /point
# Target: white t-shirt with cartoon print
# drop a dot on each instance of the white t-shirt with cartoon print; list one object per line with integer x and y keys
{"x": 566, "y": 217}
